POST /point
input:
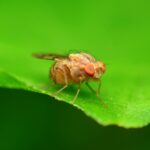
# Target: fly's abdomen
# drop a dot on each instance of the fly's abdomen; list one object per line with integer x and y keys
{"x": 60, "y": 74}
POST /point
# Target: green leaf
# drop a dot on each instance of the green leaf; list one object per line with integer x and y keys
{"x": 118, "y": 38}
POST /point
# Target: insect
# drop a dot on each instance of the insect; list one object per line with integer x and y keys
{"x": 75, "y": 68}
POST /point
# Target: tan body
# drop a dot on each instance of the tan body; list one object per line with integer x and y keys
{"x": 72, "y": 69}
{"x": 66, "y": 71}
{"x": 76, "y": 68}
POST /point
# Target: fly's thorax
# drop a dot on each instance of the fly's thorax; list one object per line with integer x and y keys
{"x": 77, "y": 72}
{"x": 81, "y": 58}
{"x": 88, "y": 57}
{"x": 77, "y": 66}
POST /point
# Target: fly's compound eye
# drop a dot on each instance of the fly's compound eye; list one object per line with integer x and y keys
{"x": 89, "y": 69}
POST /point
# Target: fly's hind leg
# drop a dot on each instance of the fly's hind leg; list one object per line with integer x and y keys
{"x": 65, "y": 86}
{"x": 60, "y": 90}
{"x": 77, "y": 93}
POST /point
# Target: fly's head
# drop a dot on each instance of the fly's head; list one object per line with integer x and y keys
{"x": 95, "y": 70}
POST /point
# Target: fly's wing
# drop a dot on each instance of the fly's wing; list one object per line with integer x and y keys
{"x": 48, "y": 56}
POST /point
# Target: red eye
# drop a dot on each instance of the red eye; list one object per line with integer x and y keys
{"x": 89, "y": 69}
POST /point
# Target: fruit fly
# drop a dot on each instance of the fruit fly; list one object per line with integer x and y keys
{"x": 74, "y": 68}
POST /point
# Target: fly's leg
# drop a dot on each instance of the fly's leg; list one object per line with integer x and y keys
{"x": 60, "y": 90}
{"x": 97, "y": 93}
{"x": 98, "y": 89}
{"x": 89, "y": 86}
{"x": 93, "y": 90}
{"x": 77, "y": 93}
{"x": 65, "y": 86}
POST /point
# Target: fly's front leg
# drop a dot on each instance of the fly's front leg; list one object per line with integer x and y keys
{"x": 90, "y": 88}
{"x": 93, "y": 90}
{"x": 97, "y": 92}
{"x": 98, "y": 89}
{"x": 66, "y": 83}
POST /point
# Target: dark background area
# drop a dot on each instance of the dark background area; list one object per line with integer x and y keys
{"x": 34, "y": 121}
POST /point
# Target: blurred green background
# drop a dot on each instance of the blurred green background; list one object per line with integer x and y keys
{"x": 119, "y": 29}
